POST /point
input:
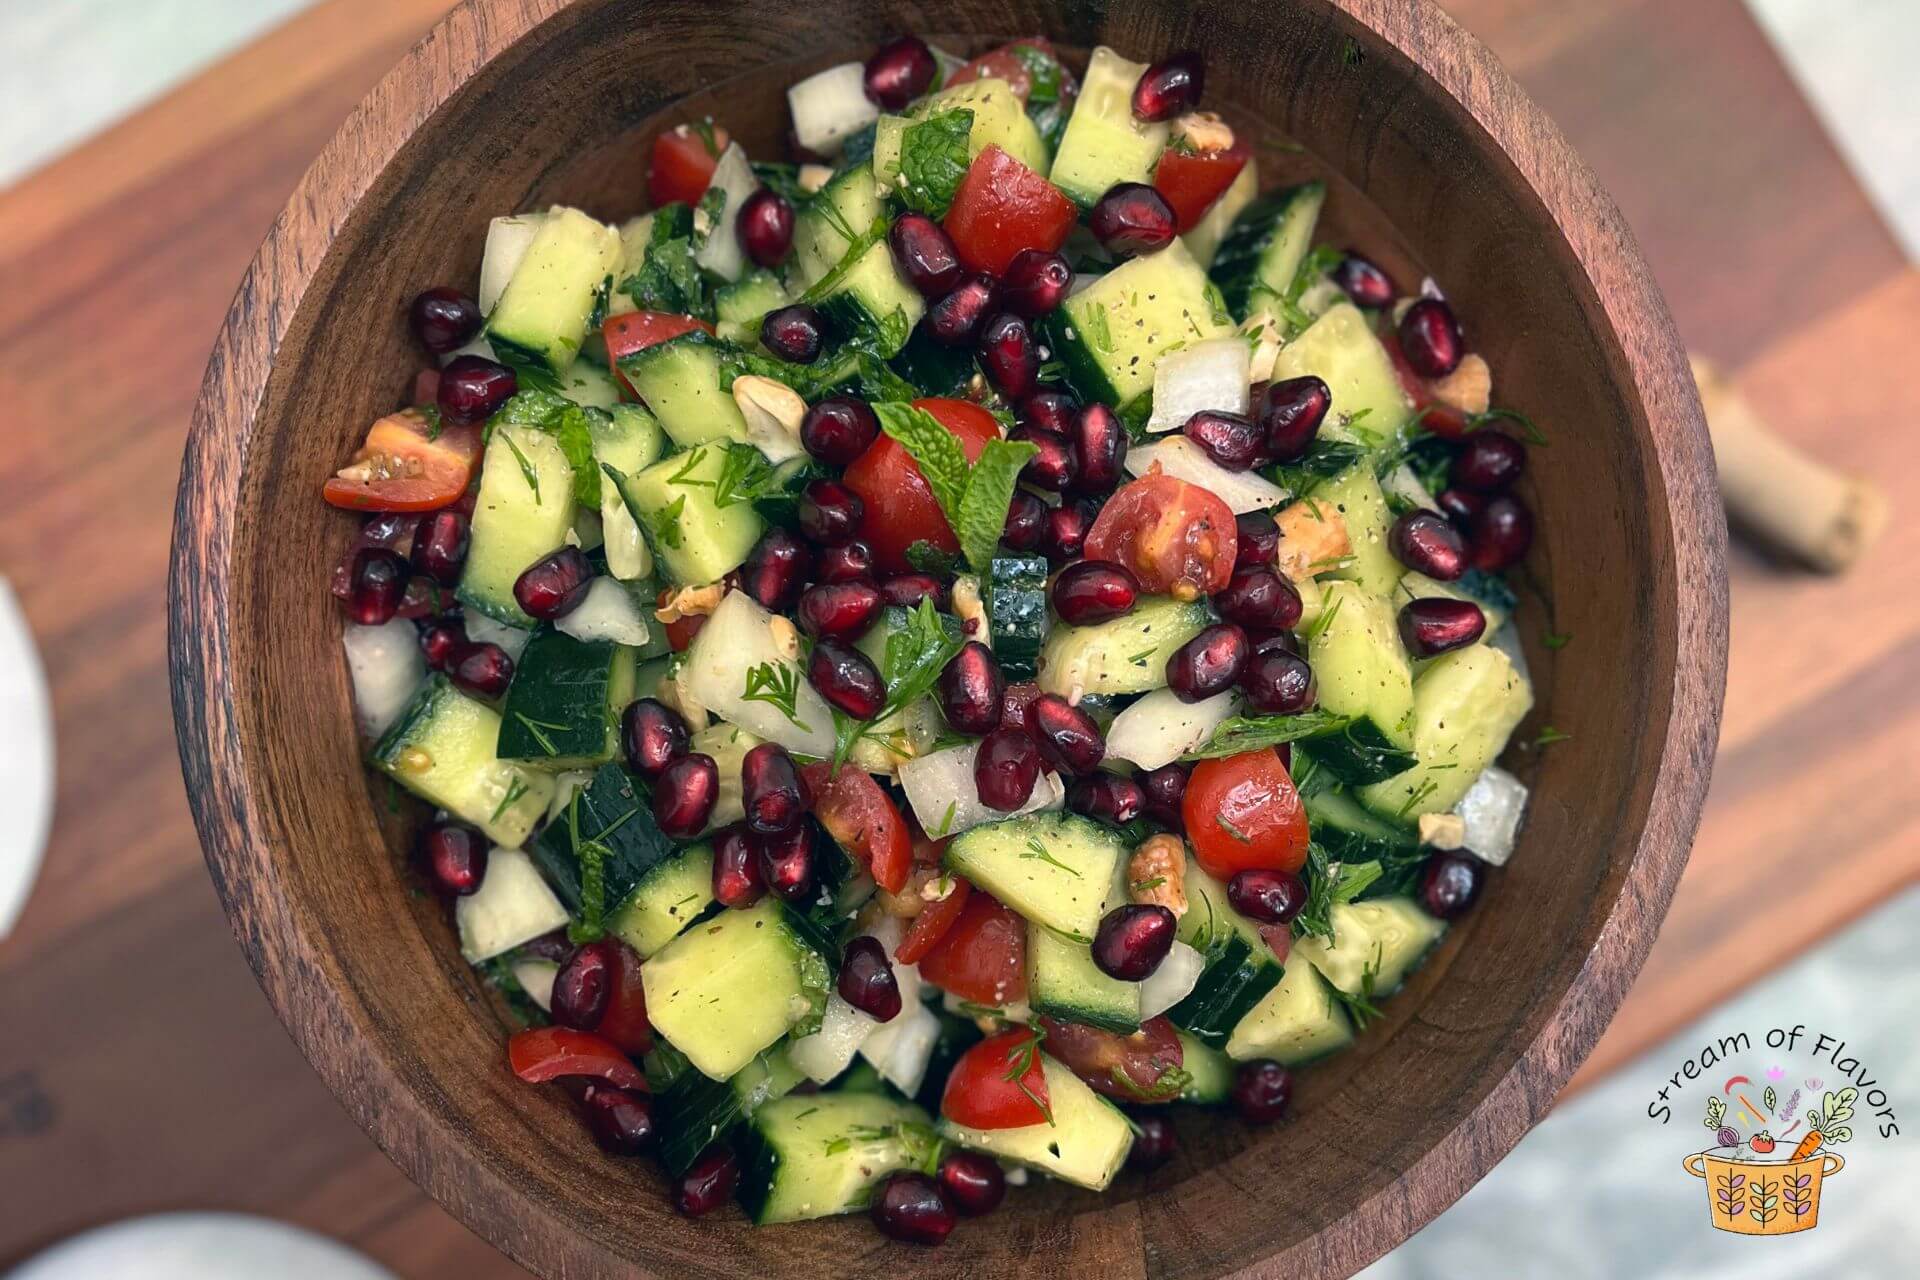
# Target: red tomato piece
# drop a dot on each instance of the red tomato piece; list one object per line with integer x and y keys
{"x": 682, "y": 164}
{"x": 406, "y": 464}
{"x": 637, "y": 330}
{"x": 547, "y": 1053}
{"x": 982, "y": 957}
{"x": 1244, "y": 812}
{"x": 1192, "y": 180}
{"x": 1126, "y": 1067}
{"x": 1005, "y": 63}
{"x": 932, "y": 923}
{"x": 900, "y": 507}
{"x": 1002, "y": 208}
{"x": 682, "y": 630}
{"x": 1435, "y": 415}
{"x": 999, "y": 1084}
{"x": 625, "y": 1024}
{"x": 860, "y": 816}
{"x": 1178, "y": 538}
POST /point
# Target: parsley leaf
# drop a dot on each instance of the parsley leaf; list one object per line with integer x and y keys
{"x": 668, "y": 279}
{"x": 1253, "y": 733}
{"x": 571, "y": 427}
{"x": 933, "y": 159}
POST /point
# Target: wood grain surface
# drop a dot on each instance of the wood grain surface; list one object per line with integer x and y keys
{"x": 149, "y": 1073}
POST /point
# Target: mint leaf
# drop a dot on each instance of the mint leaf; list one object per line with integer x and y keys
{"x": 983, "y": 508}
{"x": 933, "y": 159}
{"x": 933, "y": 448}
{"x": 668, "y": 279}
{"x": 568, "y": 423}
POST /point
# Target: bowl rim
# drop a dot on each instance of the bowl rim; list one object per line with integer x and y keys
{"x": 323, "y": 1022}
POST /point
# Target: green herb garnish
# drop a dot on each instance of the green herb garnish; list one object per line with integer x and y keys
{"x": 777, "y": 685}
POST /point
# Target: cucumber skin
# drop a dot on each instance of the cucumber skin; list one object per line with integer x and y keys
{"x": 1359, "y": 753}
{"x": 1229, "y": 987}
{"x": 1017, "y": 612}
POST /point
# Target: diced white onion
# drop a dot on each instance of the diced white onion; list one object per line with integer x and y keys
{"x": 1168, "y": 985}
{"x": 513, "y": 905}
{"x": 828, "y": 1051}
{"x": 1403, "y": 482}
{"x": 737, "y": 639}
{"x": 484, "y": 630}
{"x": 609, "y": 612}
{"x": 1506, "y": 638}
{"x": 1492, "y": 809}
{"x": 478, "y": 346}
{"x": 628, "y": 556}
{"x": 536, "y": 979}
{"x": 831, "y": 106}
{"x": 1181, "y": 458}
{"x": 721, "y": 253}
{"x": 900, "y": 1050}
{"x": 1207, "y": 375}
{"x": 1159, "y": 728}
{"x": 507, "y": 241}
{"x": 941, "y": 789}
{"x": 387, "y": 667}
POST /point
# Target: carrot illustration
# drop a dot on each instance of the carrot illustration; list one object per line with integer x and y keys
{"x": 1756, "y": 1111}
{"x": 1808, "y": 1145}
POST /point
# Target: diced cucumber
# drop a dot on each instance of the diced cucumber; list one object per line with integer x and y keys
{"x": 870, "y": 300}
{"x": 1055, "y": 869}
{"x": 628, "y": 440}
{"x": 1111, "y": 333}
{"x": 696, "y": 1112}
{"x": 1104, "y": 144}
{"x": 675, "y": 893}
{"x": 605, "y": 830}
{"x": 1356, "y": 494}
{"x": 512, "y": 906}
{"x": 589, "y": 384}
{"x": 742, "y": 306}
{"x": 676, "y": 504}
{"x": 541, "y": 319}
{"x": 1127, "y": 654}
{"x": 823, "y": 1154}
{"x": 680, "y": 381}
{"x": 1241, "y": 968}
{"x": 524, "y": 511}
{"x": 1064, "y": 982}
{"x": 1352, "y": 833}
{"x": 727, "y": 989}
{"x": 1341, "y": 349}
{"x": 563, "y": 707}
{"x": 1265, "y": 246}
{"x": 1015, "y": 593}
{"x": 1297, "y": 1022}
{"x": 737, "y": 645}
{"x": 1085, "y": 1144}
{"x": 1375, "y": 945}
{"x": 999, "y": 119}
{"x": 1204, "y": 241}
{"x": 1210, "y": 1073}
{"x": 1362, "y": 672}
{"x": 1466, "y": 705}
{"x": 844, "y": 210}
{"x": 442, "y": 750}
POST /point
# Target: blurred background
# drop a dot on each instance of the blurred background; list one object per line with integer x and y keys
{"x": 1764, "y": 153}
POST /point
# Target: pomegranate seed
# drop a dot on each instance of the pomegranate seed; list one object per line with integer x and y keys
{"x": 956, "y": 320}
{"x": 1461, "y": 505}
{"x": 1209, "y": 663}
{"x": 684, "y": 794}
{"x": 1276, "y": 682}
{"x": 653, "y": 735}
{"x": 583, "y": 985}
{"x": 1488, "y": 462}
{"x": 851, "y": 563}
{"x": 974, "y": 1182}
{"x": 1013, "y": 707}
{"x": 379, "y": 578}
{"x": 1068, "y": 738}
{"x": 472, "y": 389}
{"x": 443, "y": 319}
{"x": 1067, "y": 526}
{"x": 775, "y": 570}
{"x": 1132, "y": 218}
{"x": 1269, "y": 896}
{"x": 389, "y": 530}
{"x": 910, "y": 1207}
{"x": 1434, "y": 626}
{"x": 554, "y": 585}
{"x": 772, "y": 791}
{"x": 1132, "y": 940}
{"x": 738, "y": 880}
{"x": 787, "y": 862}
{"x": 1099, "y": 450}
{"x": 867, "y": 981}
{"x": 456, "y": 857}
{"x": 1261, "y": 1091}
{"x": 839, "y": 429}
{"x": 483, "y": 670}
{"x": 1005, "y": 771}
{"x": 708, "y": 1184}
{"x": 1429, "y": 544}
{"x": 925, "y": 255}
{"x": 424, "y": 598}
{"x": 1290, "y": 414}
{"x": 846, "y": 679}
{"x": 765, "y": 227}
{"x": 1035, "y": 282}
{"x": 1026, "y": 526}
{"x": 793, "y": 333}
{"x": 621, "y": 1120}
{"x": 1169, "y": 88}
{"x": 1365, "y": 284}
{"x": 1107, "y": 797}
{"x": 1500, "y": 535}
{"x": 830, "y": 513}
{"x": 1259, "y": 539}
{"x": 1091, "y": 591}
{"x": 971, "y": 688}
{"x": 439, "y": 641}
{"x": 1154, "y": 1141}
{"x": 1009, "y": 355}
{"x": 1259, "y": 599}
{"x": 1164, "y": 788}
{"x": 1051, "y": 410}
{"x": 907, "y": 590}
{"x": 1430, "y": 338}
{"x": 899, "y": 71}
{"x": 1450, "y": 884}
{"x": 1054, "y": 467}
{"x": 838, "y": 609}
{"x": 1229, "y": 439}
{"x": 440, "y": 548}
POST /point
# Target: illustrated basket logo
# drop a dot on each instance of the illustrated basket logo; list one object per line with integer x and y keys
{"x": 1764, "y": 1198}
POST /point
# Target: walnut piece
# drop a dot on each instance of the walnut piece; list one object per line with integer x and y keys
{"x": 1157, "y": 873}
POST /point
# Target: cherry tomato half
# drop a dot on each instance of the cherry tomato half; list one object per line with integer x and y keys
{"x": 900, "y": 508}
{"x": 682, "y": 164}
{"x": 1001, "y": 208}
{"x": 406, "y": 464}
{"x": 998, "y": 1084}
{"x": 1177, "y": 538}
{"x": 1243, "y": 812}
{"x": 1009, "y": 64}
{"x": 982, "y": 957}
{"x": 860, "y": 816}
{"x": 932, "y": 923}
{"x": 1128, "y": 1067}
{"x": 547, "y": 1053}
{"x": 1192, "y": 180}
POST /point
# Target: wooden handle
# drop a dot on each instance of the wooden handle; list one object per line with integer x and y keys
{"x": 1778, "y": 493}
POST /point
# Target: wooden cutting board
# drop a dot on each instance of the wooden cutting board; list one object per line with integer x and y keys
{"x": 141, "y": 1070}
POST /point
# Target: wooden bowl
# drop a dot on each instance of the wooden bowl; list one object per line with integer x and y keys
{"x": 1440, "y": 165}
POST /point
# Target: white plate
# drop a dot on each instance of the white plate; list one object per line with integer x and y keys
{"x": 26, "y": 759}
{"x": 199, "y": 1246}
